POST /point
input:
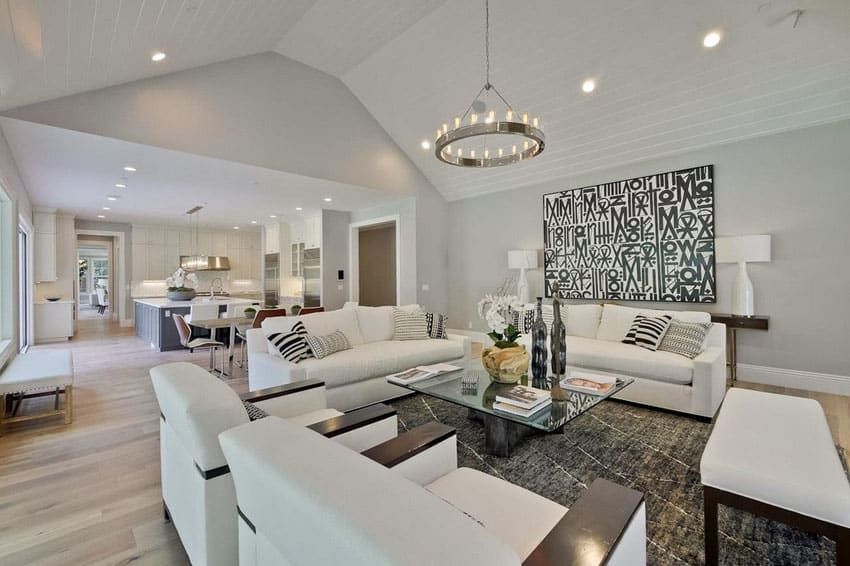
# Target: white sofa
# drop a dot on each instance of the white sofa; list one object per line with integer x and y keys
{"x": 333, "y": 506}
{"x": 662, "y": 379}
{"x": 354, "y": 377}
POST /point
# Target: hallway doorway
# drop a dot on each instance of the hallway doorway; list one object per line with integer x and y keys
{"x": 94, "y": 277}
{"x": 374, "y": 262}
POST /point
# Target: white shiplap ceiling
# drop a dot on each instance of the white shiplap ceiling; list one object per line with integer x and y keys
{"x": 415, "y": 64}
{"x": 53, "y": 48}
{"x": 75, "y": 172}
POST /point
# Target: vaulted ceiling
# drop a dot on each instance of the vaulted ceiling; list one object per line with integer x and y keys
{"x": 415, "y": 64}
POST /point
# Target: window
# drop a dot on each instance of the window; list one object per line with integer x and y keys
{"x": 8, "y": 239}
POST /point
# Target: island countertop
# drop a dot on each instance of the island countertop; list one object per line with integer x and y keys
{"x": 165, "y": 303}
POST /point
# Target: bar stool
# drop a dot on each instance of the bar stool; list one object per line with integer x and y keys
{"x": 186, "y": 341}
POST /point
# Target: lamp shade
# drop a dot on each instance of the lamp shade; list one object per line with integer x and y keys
{"x": 519, "y": 259}
{"x": 737, "y": 249}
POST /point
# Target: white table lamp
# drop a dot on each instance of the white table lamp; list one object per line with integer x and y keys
{"x": 522, "y": 260}
{"x": 742, "y": 250}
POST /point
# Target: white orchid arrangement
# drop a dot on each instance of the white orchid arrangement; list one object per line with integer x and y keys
{"x": 181, "y": 280}
{"x": 497, "y": 309}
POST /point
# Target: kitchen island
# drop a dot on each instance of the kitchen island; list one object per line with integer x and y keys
{"x": 155, "y": 325}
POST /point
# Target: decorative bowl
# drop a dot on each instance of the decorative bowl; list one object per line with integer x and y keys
{"x": 181, "y": 295}
{"x": 506, "y": 365}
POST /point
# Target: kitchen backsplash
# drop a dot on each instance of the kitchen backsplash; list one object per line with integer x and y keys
{"x": 157, "y": 288}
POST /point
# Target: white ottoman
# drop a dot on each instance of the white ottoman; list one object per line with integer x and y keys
{"x": 35, "y": 374}
{"x": 773, "y": 456}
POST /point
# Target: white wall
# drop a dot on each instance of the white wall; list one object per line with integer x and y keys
{"x": 793, "y": 186}
{"x": 19, "y": 206}
{"x": 335, "y": 251}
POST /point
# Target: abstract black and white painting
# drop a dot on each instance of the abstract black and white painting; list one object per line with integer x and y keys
{"x": 643, "y": 239}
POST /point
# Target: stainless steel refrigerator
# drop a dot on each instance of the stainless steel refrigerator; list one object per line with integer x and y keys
{"x": 312, "y": 272}
{"x": 271, "y": 280}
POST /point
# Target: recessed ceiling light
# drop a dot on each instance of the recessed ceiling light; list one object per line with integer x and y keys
{"x": 298, "y": 208}
{"x": 129, "y": 169}
{"x": 588, "y": 86}
{"x": 113, "y": 197}
{"x": 328, "y": 199}
{"x": 106, "y": 208}
{"x": 121, "y": 185}
{"x": 711, "y": 39}
{"x": 272, "y": 215}
{"x": 426, "y": 144}
{"x": 158, "y": 56}
{"x": 253, "y": 222}
{"x": 101, "y": 216}
{"x": 236, "y": 227}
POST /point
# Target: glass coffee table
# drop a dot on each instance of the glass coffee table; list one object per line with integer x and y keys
{"x": 503, "y": 431}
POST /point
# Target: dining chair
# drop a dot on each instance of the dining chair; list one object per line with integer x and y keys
{"x": 191, "y": 344}
{"x": 102, "y": 300}
{"x": 259, "y": 317}
{"x": 311, "y": 310}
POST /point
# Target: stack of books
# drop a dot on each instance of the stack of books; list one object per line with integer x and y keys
{"x": 523, "y": 401}
{"x": 590, "y": 383}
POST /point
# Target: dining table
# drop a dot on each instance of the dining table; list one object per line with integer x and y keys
{"x": 234, "y": 322}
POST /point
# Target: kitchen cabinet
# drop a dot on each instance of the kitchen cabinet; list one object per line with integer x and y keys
{"x": 53, "y": 322}
{"x": 44, "y": 246}
{"x": 272, "y": 235}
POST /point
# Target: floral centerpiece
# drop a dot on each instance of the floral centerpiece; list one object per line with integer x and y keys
{"x": 181, "y": 285}
{"x": 506, "y": 361}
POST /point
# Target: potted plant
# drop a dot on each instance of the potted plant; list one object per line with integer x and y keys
{"x": 181, "y": 285}
{"x": 295, "y": 309}
{"x": 506, "y": 361}
{"x": 250, "y": 312}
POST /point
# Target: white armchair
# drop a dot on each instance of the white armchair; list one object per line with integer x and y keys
{"x": 197, "y": 488}
{"x": 347, "y": 508}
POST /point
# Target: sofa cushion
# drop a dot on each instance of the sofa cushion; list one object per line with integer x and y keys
{"x": 583, "y": 320}
{"x": 685, "y": 338}
{"x": 617, "y": 319}
{"x": 291, "y": 346}
{"x": 437, "y": 324}
{"x": 376, "y": 323}
{"x": 628, "y": 360}
{"x": 378, "y": 359}
{"x": 485, "y": 498}
{"x": 320, "y": 324}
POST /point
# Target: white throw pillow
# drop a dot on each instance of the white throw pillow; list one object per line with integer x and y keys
{"x": 584, "y": 320}
{"x": 617, "y": 319}
{"x": 376, "y": 323}
{"x": 324, "y": 323}
{"x": 409, "y": 324}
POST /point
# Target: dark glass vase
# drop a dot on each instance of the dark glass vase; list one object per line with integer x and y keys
{"x": 539, "y": 353}
{"x": 558, "y": 342}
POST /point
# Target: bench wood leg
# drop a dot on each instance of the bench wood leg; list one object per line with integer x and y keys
{"x": 709, "y": 498}
{"x": 69, "y": 403}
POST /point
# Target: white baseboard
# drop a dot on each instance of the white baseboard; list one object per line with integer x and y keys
{"x": 475, "y": 335}
{"x": 127, "y": 322}
{"x": 796, "y": 379}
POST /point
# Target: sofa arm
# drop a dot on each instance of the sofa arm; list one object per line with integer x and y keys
{"x": 465, "y": 340}
{"x": 709, "y": 381}
{"x": 422, "y": 454}
{"x": 289, "y": 400}
{"x": 606, "y": 525}
{"x": 362, "y": 428}
{"x": 265, "y": 370}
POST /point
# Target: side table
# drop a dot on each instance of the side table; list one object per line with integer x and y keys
{"x": 733, "y": 324}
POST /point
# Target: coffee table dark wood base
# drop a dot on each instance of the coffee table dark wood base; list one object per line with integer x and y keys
{"x": 501, "y": 436}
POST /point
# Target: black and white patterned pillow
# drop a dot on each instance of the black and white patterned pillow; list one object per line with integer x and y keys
{"x": 409, "y": 324}
{"x": 685, "y": 338}
{"x": 647, "y": 331}
{"x": 254, "y": 412}
{"x": 324, "y": 346}
{"x": 292, "y": 346}
{"x": 436, "y": 325}
{"x": 523, "y": 320}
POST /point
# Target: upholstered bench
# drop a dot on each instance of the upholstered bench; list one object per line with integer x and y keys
{"x": 773, "y": 456}
{"x": 37, "y": 373}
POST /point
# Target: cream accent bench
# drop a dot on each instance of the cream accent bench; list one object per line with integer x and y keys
{"x": 37, "y": 373}
{"x": 773, "y": 456}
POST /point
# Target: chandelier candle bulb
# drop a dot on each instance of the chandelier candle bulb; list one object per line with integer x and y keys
{"x": 472, "y": 154}
{"x": 514, "y": 150}
{"x": 473, "y": 118}
{"x": 500, "y": 152}
{"x": 457, "y": 122}
{"x": 509, "y": 115}
{"x": 486, "y": 153}
{"x": 535, "y": 122}
{"x": 525, "y": 118}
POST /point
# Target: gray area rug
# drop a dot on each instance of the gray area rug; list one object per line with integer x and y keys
{"x": 651, "y": 451}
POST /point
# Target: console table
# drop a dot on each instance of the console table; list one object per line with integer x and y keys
{"x": 733, "y": 324}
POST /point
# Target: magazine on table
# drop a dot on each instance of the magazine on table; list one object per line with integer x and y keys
{"x": 590, "y": 383}
{"x": 524, "y": 397}
{"x": 420, "y": 373}
{"x": 519, "y": 411}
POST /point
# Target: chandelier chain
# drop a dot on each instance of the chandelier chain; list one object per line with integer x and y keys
{"x": 487, "y": 43}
